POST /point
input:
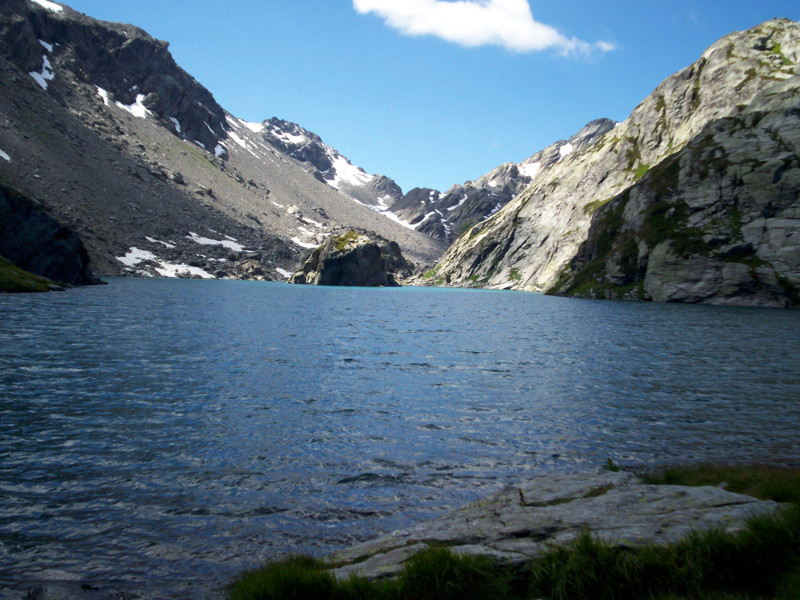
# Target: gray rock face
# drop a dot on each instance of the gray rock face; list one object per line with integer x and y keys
{"x": 122, "y": 59}
{"x": 528, "y": 244}
{"x": 36, "y": 242}
{"x": 353, "y": 260}
{"x": 522, "y": 521}
{"x": 718, "y": 223}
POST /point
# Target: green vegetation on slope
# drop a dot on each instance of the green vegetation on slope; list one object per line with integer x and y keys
{"x": 14, "y": 279}
{"x": 759, "y": 563}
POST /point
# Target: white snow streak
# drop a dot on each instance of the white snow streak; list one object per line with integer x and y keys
{"x": 172, "y": 270}
{"x": 237, "y": 139}
{"x": 530, "y": 169}
{"x": 176, "y": 123}
{"x": 5, "y": 156}
{"x": 51, "y": 6}
{"x": 46, "y": 75}
{"x": 461, "y": 203}
{"x": 103, "y": 94}
{"x": 209, "y": 242}
{"x": 347, "y": 173}
{"x": 283, "y": 273}
{"x": 254, "y": 127}
{"x": 48, "y": 47}
{"x": 303, "y": 244}
{"x": 155, "y": 241}
{"x": 137, "y": 109}
{"x": 135, "y": 256}
{"x": 566, "y": 149}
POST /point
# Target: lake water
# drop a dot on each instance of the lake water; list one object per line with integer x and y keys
{"x": 160, "y": 436}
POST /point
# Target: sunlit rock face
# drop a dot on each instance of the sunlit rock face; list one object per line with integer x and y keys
{"x": 532, "y": 242}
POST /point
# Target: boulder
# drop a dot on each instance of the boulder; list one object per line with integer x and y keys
{"x": 353, "y": 259}
{"x": 523, "y": 520}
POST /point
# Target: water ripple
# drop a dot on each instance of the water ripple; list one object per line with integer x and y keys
{"x": 179, "y": 432}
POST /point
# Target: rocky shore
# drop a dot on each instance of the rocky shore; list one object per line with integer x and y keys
{"x": 523, "y": 520}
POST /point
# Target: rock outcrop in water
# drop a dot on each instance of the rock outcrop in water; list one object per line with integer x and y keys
{"x": 718, "y": 138}
{"x": 353, "y": 259}
{"x": 522, "y": 521}
{"x": 36, "y": 242}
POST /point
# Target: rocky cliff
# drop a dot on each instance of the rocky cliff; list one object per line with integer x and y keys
{"x": 36, "y": 242}
{"x": 532, "y": 241}
{"x": 354, "y": 259}
{"x": 718, "y": 222}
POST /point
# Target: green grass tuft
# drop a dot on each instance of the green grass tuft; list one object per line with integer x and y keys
{"x": 439, "y": 574}
{"x": 760, "y": 562}
{"x": 765, "y": 482}
{"x": 13, "y": 279}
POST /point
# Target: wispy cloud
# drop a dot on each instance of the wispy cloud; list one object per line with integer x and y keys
{"x": 506, "y": 23}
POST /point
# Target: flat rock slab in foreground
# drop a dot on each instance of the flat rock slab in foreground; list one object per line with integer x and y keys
{"x": 520, "y": 522}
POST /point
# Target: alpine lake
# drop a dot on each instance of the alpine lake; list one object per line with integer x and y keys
{"x": 158, "y": 437}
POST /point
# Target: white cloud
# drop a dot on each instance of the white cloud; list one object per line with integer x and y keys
{"x": 506, "y": 23}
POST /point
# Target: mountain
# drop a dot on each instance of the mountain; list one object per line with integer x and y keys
{"x": 445, "y": 216}
{"x": 534, "y": 241}
{"x": 119, "y": 144}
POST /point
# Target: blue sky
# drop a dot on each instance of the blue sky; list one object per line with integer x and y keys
{"x": 435, "y": 92}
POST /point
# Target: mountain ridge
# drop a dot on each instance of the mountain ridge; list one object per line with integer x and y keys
{"x": 529, "y": 243}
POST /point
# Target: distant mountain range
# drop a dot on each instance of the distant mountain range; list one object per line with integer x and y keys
{"x": 693, "y": 198}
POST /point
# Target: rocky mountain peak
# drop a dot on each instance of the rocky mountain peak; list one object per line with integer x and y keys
{"x": 133, "y": 69}
{"x": 528, "y": 243}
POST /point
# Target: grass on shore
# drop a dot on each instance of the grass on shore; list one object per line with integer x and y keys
{"x": 760, "y": 562}
{"x": 13, "y": 279}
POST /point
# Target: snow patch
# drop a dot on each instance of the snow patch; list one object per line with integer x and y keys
{"x": 135, "y": 256}
{"x": 174, "y": 122}
{"x": 289, "y": 138}
{"x": 219, "y": 151}
{"x": 254, "y": 127}
{"x": 103, "y": 94}
{"x": 155, "y": 241}
{"x": 237, "y": 139}
{"x": 530, "y": 169}
{"x": 461, "y": 203}
{"x": 303, "y": 244}
{"x": 51, "y": 6}
{"x": 5, "y": 156}
{"x": 209, "y": 128}
{"x": 566, "y": 149}
{"x": 278, "y": 205}
{"x": 48, "y": 47}
{"x": 172, "y": 270}
{"x": 203, "y": 241}
{"x": 283, "y": 273}
{"x": 46, "y": 75}
{"x": 348, "y": 173}
{"x": 201, "y": 144}
{"x": 492, "y": 184}
{"x": 137, "y": 109}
